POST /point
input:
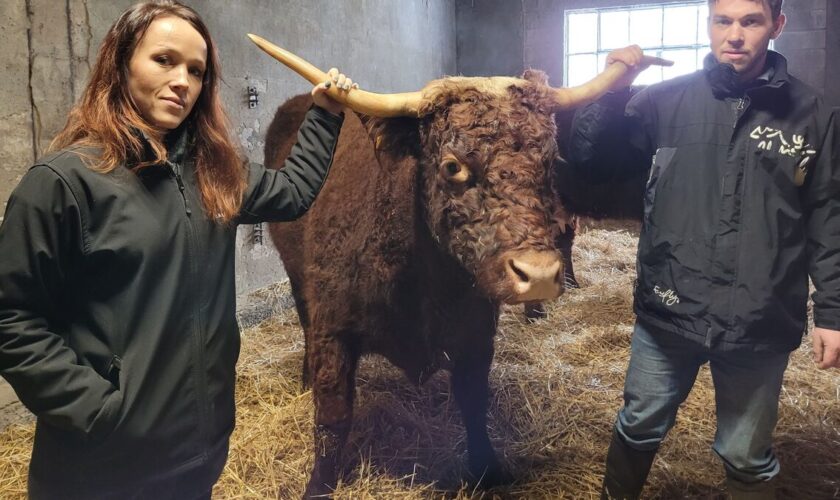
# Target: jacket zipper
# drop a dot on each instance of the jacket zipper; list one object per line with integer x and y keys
{"x": 738, "y": 109}
{"x": 176, "y": 172}
{"x": 198, "y": 338}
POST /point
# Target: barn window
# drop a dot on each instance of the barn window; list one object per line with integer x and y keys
{"x": 675, "y": 31}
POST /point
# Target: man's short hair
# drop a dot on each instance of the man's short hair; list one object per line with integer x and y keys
{"x": 775, "y": 6}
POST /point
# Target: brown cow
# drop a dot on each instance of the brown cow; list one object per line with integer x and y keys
{"x": 426, "y": 224}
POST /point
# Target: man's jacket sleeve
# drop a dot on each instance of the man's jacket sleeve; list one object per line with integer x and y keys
{"x": 612, "y": 138}
{"x": 287, "y": 193}
{"x": 823, "y": 199}
{"x": 41, "y": 229}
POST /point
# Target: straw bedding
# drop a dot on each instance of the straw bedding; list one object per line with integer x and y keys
{"x": 556, "y": 388}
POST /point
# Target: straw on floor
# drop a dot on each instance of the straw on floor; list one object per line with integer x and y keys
{"x": 556, "y": 388}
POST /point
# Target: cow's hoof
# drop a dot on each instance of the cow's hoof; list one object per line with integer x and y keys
{"x": 535, "y": 311}
{"x": 570, "y": 282}
{"x": 490, "y": 477}
{"x": 317, "y": 489}
{"x": 320, "y": 485}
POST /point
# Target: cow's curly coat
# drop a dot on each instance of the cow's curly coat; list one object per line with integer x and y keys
{"x": 395, "y": 259}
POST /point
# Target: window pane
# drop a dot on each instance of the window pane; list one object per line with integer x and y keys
{"x": 680, "y": 25}
{"x": 646, "y": 27}
{"x": 614, "y": 30}
{"x": 583, "y": 33}
{"x": 702, "y": 52}
{"x": 676, "y": 30}
{"x": 651, "y": 75}
{"x": 685, "y": 61}
{"x": 602, "y": 61}
{"x": 582, "y": 68}
{"x": 703, "y": 24}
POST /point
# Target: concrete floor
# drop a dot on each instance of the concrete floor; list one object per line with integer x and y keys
{"x": 11, "y": 410}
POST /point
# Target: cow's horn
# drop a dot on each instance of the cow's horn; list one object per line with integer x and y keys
{"x": 566, "y": 98}
{"x": 368, "y": 103}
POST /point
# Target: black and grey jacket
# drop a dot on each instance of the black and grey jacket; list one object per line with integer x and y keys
{"x": 117, "y": 316}
{"x": 741, "y": 205}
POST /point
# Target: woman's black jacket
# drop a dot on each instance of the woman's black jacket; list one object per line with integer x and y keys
{"x": 117, "y": 316}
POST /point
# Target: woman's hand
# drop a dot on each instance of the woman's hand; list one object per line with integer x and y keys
{"x": 341, "y": 82}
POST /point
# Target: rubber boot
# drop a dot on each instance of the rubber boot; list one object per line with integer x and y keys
{"x": 761, "y": 490}
{"x": 627, "y": 470}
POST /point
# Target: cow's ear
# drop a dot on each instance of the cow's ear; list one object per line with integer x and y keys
{"x": 396, "y": 137}
{"x": 535, "y": 76}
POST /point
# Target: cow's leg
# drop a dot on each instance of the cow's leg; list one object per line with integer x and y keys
{"x": 303, "y": 318}
{"x": 470, "y": 387}
{"x": 565, "y": 243}
{"x": 333, "y": 367}
{"x": 535, "y": 310}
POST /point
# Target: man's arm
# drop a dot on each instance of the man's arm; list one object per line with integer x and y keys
{"x": 612, "y": 138}
{"x": 824, "y": 248}
{"x": 826, "y": 347}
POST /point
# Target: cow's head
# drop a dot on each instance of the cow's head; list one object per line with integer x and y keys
{"x": 484, "y": 147}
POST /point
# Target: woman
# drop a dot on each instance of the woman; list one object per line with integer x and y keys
{"x": 117, "y": 310}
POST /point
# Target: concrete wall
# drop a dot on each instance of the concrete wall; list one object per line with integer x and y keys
{"x": 490, "y": 37}
{"x": 50, "y": 45}
{"x": 803, "y": 41}
{"x": 811, "y": 41}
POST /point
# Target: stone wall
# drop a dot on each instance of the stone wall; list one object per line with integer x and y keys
{"x": 50, "y": 45}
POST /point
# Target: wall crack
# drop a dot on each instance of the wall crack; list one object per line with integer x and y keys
{"x": 35, "y": 115}
{"x": 70, "y": 45}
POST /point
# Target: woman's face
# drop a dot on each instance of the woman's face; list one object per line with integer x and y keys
{"x": 166, "y": 71}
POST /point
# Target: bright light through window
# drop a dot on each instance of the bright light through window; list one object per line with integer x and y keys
{"x": 673, "y": 31}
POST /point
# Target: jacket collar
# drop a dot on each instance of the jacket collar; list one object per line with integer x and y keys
{"x": 724, "y": 80}
{"x": 178, "y": 143}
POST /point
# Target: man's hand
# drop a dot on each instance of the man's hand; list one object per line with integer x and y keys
{"x": 341, "y": 82}
{"x": 636, "y": 62}
{"x": 826, "y": 348}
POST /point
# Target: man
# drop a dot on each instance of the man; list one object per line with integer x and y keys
{"x": 742, "y": 204}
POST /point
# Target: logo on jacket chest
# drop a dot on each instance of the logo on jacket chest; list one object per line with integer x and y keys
{"x": 791, "y": 145}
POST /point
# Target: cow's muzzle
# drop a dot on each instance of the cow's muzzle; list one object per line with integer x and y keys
{"x": 533, "y": 276}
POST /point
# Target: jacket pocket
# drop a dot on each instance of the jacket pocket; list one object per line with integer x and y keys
{"x": 114, "y": 371}
{"x": 106, "y": 420}
{"x": 782, "y": 173}
{"x": 662, "y": 160}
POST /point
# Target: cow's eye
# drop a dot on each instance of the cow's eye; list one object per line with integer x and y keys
{"x": 454, "y": 171}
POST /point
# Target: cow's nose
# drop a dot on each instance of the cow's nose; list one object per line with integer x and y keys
{"x": 535, "y": 276}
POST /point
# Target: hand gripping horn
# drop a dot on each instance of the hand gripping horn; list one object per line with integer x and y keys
{"x": 571, "y": 97}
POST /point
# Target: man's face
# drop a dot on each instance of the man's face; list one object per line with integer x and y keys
{"x": 740, "y": 31}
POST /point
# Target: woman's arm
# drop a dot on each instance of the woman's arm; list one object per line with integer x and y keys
{"x": 287, "y": 193}
{"x": 41, "y": 231}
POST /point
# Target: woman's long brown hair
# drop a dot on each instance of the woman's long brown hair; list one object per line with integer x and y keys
{"x": 106, "y": 117}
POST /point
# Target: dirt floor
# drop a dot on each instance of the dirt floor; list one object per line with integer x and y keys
{"x": 556, "y": 388}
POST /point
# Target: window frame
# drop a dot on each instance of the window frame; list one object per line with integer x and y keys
{"x": 701, "y": 42}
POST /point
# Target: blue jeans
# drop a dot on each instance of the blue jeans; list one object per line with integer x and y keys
{"x": 662, "y": 370}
